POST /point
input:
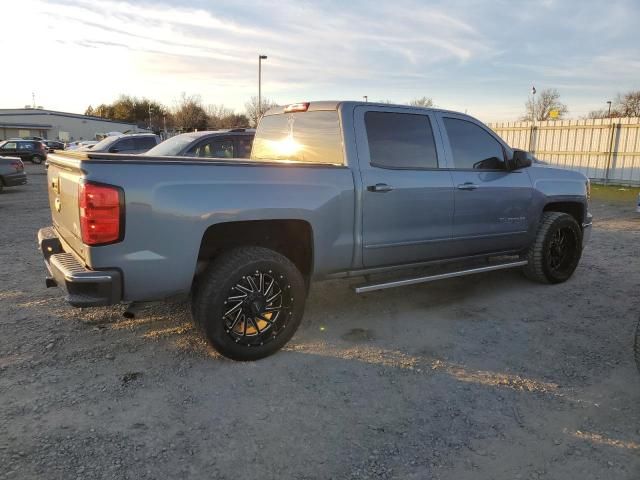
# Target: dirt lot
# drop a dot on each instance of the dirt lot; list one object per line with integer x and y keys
{"x": 485, "y": 377}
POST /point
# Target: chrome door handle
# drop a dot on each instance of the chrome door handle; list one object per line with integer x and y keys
{"x": 380, "y": 187}
{"x": 467, "y": 186}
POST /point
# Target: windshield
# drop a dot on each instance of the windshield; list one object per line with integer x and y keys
{"x": 172, "y": 146}
{"x": 310, "y": 137}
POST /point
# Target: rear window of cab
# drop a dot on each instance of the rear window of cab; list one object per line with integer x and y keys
{"x": 306, "y": 137}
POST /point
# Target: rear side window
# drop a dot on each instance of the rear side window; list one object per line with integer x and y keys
{"x": 144, "y": 143}
{"x": 26, "y": 146}
{"x": 125, "y": 145}
{"x": 400, "y": 140}
{"x": 309, "y": 137}
{"x": 221, "y": 148}
{"x": 244, "y": 146}
{"x": 473, "y": 147}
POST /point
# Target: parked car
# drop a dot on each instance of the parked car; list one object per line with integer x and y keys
{"x": 133, "y": 143}
{"x": 31, "y": 150}
{"x": 11, "y": 172}
{"x": 235, "y": 143}
{"x": 81, "y": 144}
{"x": 332, "y": 190}
{"x": 53, "y": 145}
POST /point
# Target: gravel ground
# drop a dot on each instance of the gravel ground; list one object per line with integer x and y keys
{"x": 484, "y": 377}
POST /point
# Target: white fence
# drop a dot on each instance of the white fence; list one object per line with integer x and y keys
{"x": 606, "y": 150}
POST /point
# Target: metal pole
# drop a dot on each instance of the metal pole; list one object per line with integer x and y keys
{"x": 259, "y": 110}
{"x": 609, "y": 114}
{"x": 259, "y": 88}
{"x": 366, "y": 98}
{"x": 533, "y": 120}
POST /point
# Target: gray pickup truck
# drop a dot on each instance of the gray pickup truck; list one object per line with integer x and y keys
{"x": 395, "y": 194}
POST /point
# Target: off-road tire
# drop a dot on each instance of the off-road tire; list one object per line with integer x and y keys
{"x": 540, "y": 253}
{"x": 219, "y": 280}
{"x": 37, "y": 159}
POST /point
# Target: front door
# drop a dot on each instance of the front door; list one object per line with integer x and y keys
{"x": 491, "y": 203}
{"x": 407, "y": 202}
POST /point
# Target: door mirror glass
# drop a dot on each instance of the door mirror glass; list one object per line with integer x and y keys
{"x": 519, "y": 160}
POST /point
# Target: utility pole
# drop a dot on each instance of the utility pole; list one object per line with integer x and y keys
{"x": 259, "y": 110}
{"x": 609, "y": 113}
{"x": 149, "y": 116}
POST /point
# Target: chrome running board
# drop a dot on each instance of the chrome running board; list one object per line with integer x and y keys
{"x": 432, "y": 278}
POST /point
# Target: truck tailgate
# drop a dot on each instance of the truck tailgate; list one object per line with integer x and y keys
{"x": 63, "y": 177}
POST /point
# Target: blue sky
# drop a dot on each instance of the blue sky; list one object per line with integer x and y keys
{"x": 481, "y": 57}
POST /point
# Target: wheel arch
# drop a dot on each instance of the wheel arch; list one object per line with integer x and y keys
{"x": 574, "y": 208}
{"x": 292, "y": 238}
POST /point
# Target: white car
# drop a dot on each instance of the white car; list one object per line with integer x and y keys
{"x": 80, "y": 144}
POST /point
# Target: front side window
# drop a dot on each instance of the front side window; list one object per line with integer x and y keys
{"x": 9, "y": 146}
{"x": 400, "y": 140}
{"x": 473, "y": 147}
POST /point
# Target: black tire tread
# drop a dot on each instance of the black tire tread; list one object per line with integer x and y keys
{"x": 535, "y": 255}
{"x": 225, "y": 266}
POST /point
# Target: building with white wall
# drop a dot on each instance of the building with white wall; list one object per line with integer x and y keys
{"x": 52, "y": 125}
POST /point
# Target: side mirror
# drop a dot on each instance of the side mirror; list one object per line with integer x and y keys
{"x": 519, "y": 160}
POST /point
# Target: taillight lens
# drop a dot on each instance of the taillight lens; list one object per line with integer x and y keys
{"x": 100, "y": 213}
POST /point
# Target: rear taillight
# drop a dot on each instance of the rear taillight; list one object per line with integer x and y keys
{"x": 101, "y": 213}
{"x": 18, "y": 165}
{"x": 42, "y": 146}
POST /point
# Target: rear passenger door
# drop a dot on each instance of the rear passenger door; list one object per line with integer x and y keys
{"x": 491, "y": 203}
{"x": 407, "y": 199}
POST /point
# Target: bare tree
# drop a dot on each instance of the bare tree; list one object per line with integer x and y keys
{"x": 547, "y": 101}
{"x": 223, "y": 117}
{"x": 254, "y": 113}
{"x": 189, "y": 114}
{"x": 422, "y": 102}
{"x": 628, "y": 104}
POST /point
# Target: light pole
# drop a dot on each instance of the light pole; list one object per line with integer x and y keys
{"x": 259, "y": 111}
{"x": 366, "y": 98}
{"x": 149, "y": 116}
{"x": 533, "y": 118}
{"x": 609, "y": 113}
